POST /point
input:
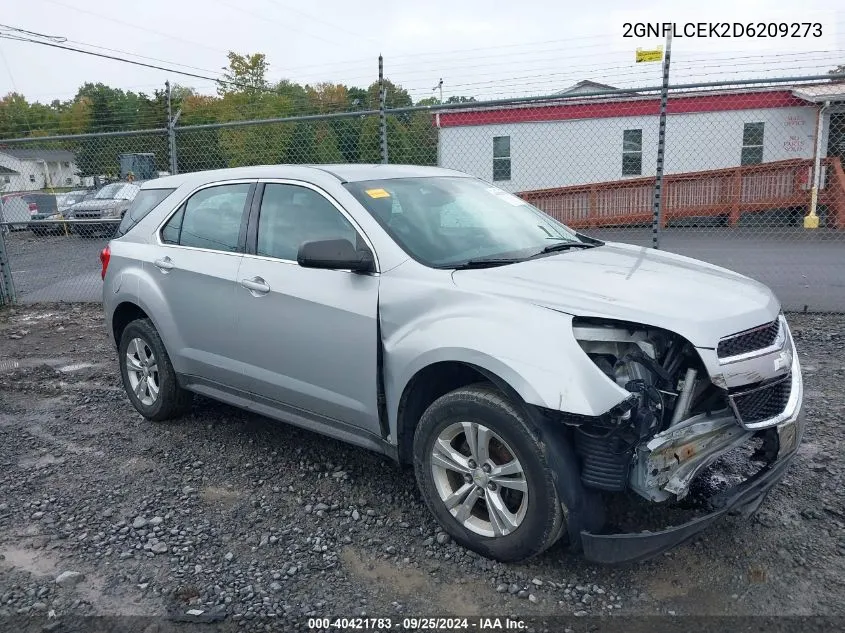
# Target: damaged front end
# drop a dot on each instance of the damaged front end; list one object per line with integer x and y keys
{"x": 688, "y": 408}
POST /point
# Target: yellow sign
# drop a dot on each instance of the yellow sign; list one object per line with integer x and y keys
{"x": 377, "y": 193}
{"x": 652, "y": 55}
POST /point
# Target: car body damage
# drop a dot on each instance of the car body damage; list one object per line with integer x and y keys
{"x": 630, "y": 366}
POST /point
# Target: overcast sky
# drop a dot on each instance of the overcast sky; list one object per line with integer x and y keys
{"x": 488, "y": 49}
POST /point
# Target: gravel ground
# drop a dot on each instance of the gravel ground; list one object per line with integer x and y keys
{"x": 103, "y": 513}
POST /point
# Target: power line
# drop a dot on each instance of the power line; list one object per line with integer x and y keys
{"x": 133, "y": 25}
{"x": 322, "y": 21}
{"x": 126, "y": 61}
{"x": 266, "y": 18}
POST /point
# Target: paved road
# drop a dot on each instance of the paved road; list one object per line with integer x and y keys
{"x": 805, "y": 268}
{"x": 55, "y": 268}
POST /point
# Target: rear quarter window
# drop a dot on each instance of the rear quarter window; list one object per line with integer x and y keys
{"x": 144, "y": 202}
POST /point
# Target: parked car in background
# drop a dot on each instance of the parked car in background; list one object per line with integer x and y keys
{"x": 109, "y": 203}
{"x": 529, "y": 373}
{"x": 47, "y": 220}
{"x": 70, "y": 198}
{"x": 20, "y": 208}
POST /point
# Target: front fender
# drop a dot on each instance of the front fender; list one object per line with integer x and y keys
{"x": 530, "y": 347}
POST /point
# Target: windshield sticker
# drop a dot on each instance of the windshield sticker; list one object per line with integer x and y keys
{"x": 507, "y": 197}
{"x": 377, "y": 193}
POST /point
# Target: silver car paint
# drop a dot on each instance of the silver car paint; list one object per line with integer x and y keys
{"x": 512, "y": 321}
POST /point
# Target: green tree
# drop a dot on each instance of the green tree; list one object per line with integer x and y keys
{"x": 370, "y": 141}
{"x": 395, "y": 96}
{"x": 460, "y": 99}
{"x": 326, "y": 150}
{"x": 422, "y": 140}
{"x": 245, "y": 73}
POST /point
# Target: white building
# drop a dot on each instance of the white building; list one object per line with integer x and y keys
{"x": 36, "y": 169}
{"x": 577, "y": 140}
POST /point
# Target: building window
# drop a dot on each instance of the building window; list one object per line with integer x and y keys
{"x": 501, "y": 158}
{"x": 752, "y": 144}
{"x": 632, "y": 152}
{"x": 32, "y": 178}
{"x": 68, "y": 181}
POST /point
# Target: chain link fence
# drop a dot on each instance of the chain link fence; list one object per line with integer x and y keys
{"x": 753, "y": 175}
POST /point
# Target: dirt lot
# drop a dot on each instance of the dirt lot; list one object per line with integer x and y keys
{"x": 234, "y": 514}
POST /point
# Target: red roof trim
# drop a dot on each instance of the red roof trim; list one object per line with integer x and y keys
{"x": 606, "y": 109}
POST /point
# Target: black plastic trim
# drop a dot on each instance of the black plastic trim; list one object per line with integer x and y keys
{"x": 251, "y": 231}
{"x": 626, "y": 548}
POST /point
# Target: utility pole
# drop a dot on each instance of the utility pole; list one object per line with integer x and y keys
{"x": 440, "y": 86}
{"x": 381, "y": 109}
{"x": 661, "y": 146}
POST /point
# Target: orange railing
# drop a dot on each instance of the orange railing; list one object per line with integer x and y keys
{"x": 720, "y": 192}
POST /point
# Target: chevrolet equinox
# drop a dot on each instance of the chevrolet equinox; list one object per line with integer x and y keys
{"x": 531, "y": 375}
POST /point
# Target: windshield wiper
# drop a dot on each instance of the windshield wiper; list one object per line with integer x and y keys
{"x": 485, "y": 263}
{"x": 564, "y": 246}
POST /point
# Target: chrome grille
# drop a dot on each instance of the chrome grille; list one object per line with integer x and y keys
{"x": 749, "y": 341}
{"x": 763, "y": 402}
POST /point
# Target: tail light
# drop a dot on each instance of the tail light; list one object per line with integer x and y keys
{"x": 105, "y": 256}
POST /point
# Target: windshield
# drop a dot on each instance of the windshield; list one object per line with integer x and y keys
{"x": 117, "y": 190}
{"x": 445, "y": 222}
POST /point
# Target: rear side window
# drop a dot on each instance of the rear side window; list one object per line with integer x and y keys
{"x": 144, "y": 202}
{"x": 211, "y": 219}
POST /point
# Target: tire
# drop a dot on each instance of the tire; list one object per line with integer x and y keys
{"x": 534, "y": 519}
{"x": 155, "y": 394}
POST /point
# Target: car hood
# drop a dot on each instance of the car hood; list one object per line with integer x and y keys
{"x": 699, "y": 301}
{"x": 93, "y": 205}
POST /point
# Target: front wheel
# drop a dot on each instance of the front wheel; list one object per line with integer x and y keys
{"x": 484, "y": 475}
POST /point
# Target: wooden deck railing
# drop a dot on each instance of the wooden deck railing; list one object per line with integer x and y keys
{"x": 720, "y": 192}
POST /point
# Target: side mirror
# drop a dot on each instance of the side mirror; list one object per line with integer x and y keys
{"x": 335, "y": 255}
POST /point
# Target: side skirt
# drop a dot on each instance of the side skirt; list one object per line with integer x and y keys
{"x": 284, "y": 413}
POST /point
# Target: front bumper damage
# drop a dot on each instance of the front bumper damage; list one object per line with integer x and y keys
{"x": 675, "y": 456}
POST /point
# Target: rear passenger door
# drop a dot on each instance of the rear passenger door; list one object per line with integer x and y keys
{"x": 195, "y": 264}
{"x": 307, "y": 338}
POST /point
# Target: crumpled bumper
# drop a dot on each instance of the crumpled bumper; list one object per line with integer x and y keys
{"x": 743, "y": 498}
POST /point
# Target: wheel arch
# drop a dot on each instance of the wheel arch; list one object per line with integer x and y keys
{"x": 428, "y": 384}
{"x": 124, "y": 313}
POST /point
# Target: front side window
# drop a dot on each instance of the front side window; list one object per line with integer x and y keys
{"x": 292, "y": 215}
{"x": 632, "y": 152}
{"x": 211, "y": 219}
{"x": 444, "y": 222}
{"x": 752, "y": 143}
{"x": 501, "y": 158}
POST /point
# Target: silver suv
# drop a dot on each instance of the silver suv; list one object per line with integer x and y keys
{"x": 534, "y": 377}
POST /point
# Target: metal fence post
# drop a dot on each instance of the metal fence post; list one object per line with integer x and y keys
{"x": 382, "y": 93}
{"x": 661, "y": 148}
{"x": 171, "y": 132}
{"x": 7, "y": 286}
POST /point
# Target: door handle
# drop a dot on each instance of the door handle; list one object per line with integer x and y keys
{"x": 165, "y": 264}
{"x": 256, "y": 285}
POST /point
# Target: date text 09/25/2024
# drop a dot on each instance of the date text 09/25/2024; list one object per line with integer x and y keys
{"x": 481, "y": 623}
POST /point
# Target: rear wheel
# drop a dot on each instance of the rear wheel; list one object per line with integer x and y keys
{"x": 148, "y": 375}
{"x": 484, "y": 475}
